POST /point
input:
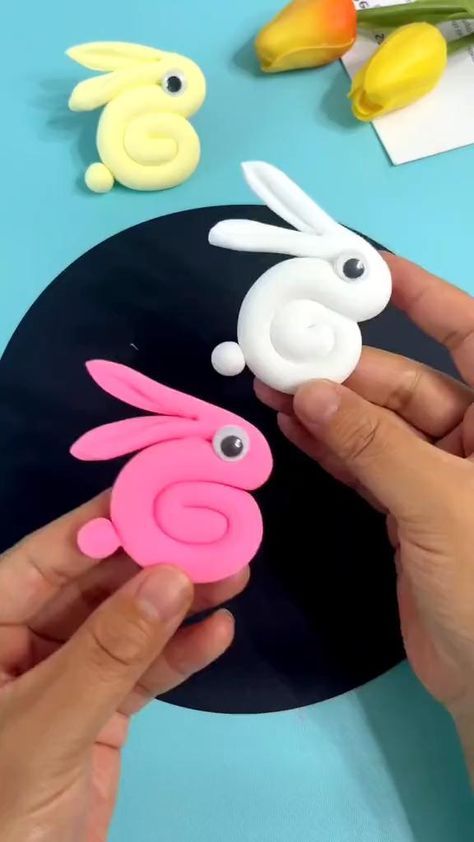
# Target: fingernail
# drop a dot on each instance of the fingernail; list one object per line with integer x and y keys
{"x": 316, "y": 403}
{"x": 164, "y": 593}
{"x": 224, "y": 612}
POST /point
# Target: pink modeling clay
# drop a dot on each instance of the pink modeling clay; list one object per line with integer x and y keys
{"x": 183, "y": 499}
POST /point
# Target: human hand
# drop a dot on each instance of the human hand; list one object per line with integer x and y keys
{"x": 402, "y": 435}
{"x": 83, "y": 646}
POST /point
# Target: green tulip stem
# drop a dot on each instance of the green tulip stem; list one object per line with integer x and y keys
{"x": 460, "y": 44}
{"x": 425, "y": 11}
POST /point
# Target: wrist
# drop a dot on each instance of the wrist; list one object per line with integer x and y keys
{"x": 464, "y": 723}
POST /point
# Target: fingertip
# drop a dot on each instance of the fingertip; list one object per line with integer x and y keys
{"x": 406, "y": 279}
{"x": 242, "y": 577}
{"x": 394, "y": 261}
{"x": 225, "y": 616}
{"x": 285, "y": 423}
{"x": 295, "y": 432}
{"x": 209, "y": 640}
{"x": 263, "y": 392}
{"x": 271, "y": 398}
{"x": 243, "y": 573}
{"x": 258, "y": 386}
{"x": 316, "y": 402}
{"x": 163, "y": 591}
{"x": 169, "y": 571}
{"x": 224, "y": 627}
{"x": 233, "y": 585}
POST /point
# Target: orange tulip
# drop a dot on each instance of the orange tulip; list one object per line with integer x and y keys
{"x": 307, "y": 33}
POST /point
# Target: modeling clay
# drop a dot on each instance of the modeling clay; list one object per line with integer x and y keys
{"x": 143, "y": 138}
{"x": 298, "y": 321}
{"x": 183, "y": 499}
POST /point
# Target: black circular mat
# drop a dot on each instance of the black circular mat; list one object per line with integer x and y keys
{"x": 319, "y": 617}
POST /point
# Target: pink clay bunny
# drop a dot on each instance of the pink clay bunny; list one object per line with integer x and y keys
{"x": 183, "y": 499}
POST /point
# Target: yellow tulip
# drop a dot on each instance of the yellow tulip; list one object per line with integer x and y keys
{"x": 407, "y": 65}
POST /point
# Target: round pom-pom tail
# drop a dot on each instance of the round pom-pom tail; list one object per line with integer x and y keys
{"x": 98, "y": 178}
{"x": 98, "y": 539}
{"x": 228, "y": 359}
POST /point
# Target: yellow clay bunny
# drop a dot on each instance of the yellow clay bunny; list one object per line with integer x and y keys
{"x": 144, "y": 140}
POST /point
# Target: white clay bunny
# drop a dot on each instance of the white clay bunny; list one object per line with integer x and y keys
{"x": 298, "y": 321}
{"x": 143, "y": 138}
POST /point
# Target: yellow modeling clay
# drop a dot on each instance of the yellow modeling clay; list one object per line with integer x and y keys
{"x": 144, "y": 139}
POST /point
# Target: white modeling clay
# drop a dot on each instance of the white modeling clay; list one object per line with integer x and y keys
{"x": 298, "y": 321}
{"x": 228, "y": 359}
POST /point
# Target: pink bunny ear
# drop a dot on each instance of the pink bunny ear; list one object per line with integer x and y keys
{"x": 135, "y": 389}
{"x": 122, "y": 437}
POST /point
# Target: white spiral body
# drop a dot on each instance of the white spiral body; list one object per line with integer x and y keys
{"x": 288, "y": 332}
{"x": 144, "y": 146}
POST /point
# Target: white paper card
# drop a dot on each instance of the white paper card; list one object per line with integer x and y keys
{"x": 442, "y": 120}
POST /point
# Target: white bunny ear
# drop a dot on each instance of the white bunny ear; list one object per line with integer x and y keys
{"x": 112, "y": 55}
{"x": 286, "y": 199}
{"x": 246, "y": 235}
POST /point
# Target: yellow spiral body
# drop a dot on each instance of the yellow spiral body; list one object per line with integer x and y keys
{"x": 143, "y": 146}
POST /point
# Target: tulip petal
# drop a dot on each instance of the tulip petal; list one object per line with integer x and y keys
{"x": 408, "y": 65}
{"x": 307, "y": 33}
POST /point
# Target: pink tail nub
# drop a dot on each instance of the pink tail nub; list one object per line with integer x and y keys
{"x": 98, "y": 538}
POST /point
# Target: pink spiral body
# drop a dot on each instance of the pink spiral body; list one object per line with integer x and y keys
{"x": 178, "y": 503}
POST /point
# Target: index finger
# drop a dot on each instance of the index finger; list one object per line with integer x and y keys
{"x": 40, "y": 568}
{"x": 440, "y": 309}
{"x": 41, "y": 565}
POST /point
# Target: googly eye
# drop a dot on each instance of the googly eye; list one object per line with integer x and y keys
{"x": 351, "y": 267}
{"x": 231, "y": 444}
{"x": 174, "y": 83}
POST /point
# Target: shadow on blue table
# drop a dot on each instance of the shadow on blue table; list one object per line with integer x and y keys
{"x": 79, "y": 129}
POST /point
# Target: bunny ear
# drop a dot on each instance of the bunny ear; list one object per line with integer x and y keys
{"x": 112, "y": 55}
{"x": 179, "y": 415}
{"x": 286, "y": 199}
{"x": 93, "y": 93}
{"x": 123, "y": 437}
{"x": 246, "y": 235}
{"x": 135, "y": 389}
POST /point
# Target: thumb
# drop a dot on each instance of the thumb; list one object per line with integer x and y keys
{"x": 95, "y": 670}
{"x": 384, "y": 456}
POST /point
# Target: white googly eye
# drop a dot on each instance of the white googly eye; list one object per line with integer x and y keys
{"x": 351, "y": 266}
{"x": 231, "y": 444}
{"x": 174, "y": 82}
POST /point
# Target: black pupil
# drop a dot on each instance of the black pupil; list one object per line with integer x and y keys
{"x": 174, "y": 84}
{"x": 232, "y": 446}
{"x": 353, "y": 268}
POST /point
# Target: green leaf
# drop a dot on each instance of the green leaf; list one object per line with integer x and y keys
{"x": 460, "y": 44}
{"x": 425, "y": 11}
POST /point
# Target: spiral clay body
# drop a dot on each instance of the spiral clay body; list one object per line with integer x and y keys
{"x": 299, "y": 320}
{"x": 183, "y": 499}
{"x": 144, "y": 138}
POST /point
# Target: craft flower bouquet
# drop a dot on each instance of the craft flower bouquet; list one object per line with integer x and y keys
{"x": 408, "y": 64}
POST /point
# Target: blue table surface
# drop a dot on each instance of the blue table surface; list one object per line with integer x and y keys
{"x": 381, "y": 763}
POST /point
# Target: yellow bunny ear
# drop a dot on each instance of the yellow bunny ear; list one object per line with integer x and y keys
{"x": 93, "y": 93}
{"x": 112, "y": 55}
